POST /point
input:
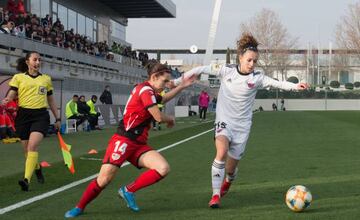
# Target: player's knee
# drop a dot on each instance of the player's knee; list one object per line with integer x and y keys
{"x": 104, "y": 180}
{"x": 163, "y": 169}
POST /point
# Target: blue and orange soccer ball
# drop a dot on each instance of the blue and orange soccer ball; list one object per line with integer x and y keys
{"x": 298, "y": 198}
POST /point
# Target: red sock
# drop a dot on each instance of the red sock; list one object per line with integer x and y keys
{"x": 91, "y": 192}
{"x": 145, "y": 179}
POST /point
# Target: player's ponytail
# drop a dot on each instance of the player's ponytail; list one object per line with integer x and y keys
{"x": 155, "y": 67}
{"x": 21, "y": 62}
{"x": 246, "y": 42}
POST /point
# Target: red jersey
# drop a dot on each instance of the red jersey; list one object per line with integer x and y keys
{"x": 136, "y": 120}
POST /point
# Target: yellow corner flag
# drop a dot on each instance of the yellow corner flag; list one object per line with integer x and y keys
{"x": 65, "y": 148}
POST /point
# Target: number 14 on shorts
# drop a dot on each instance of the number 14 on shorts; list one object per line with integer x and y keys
{"x": 119, "y": 150}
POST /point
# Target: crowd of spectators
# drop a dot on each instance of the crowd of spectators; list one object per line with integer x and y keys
{"x": 16, "y": 21}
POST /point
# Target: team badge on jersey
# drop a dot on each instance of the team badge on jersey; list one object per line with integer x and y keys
{"x": 251, "y": 85}
{"x": 42, "y": 90}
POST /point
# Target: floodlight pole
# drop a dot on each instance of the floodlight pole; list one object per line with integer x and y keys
{"x": 212, "y": 32}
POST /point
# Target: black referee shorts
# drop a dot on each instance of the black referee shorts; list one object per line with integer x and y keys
{"x": 30, "y": 120}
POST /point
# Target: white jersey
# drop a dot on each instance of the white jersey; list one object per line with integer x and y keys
{"x": 237, "y": 93}
{"x": 236, "y": 98}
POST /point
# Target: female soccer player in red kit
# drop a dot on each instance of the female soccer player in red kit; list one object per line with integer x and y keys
{"x": 129, "y": 142}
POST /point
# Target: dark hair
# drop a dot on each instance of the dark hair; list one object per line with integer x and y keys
{"x": 21, "y": 62}
{"x": 82, "y": 96}
{"x": 246, "y": 42}
{"x": 155, "y": 67}
{"x": 93, "y": 97}
{"x": 75, "y": 96}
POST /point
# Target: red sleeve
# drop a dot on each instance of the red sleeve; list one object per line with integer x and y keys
{"x": 148, "y": 98}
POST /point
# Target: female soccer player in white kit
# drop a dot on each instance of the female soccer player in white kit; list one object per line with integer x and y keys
{"x": 239, "y": 84}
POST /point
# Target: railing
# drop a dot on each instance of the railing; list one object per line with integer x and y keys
{"x": 59, "y": 53}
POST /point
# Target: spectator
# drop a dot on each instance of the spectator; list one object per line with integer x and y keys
{"x": 93, "y": 116}
{"x": 7, "y": 27}
{"x": 274, "y": 107}
{"x": 204, "y": 100}
{"x": 83, "y": 108}
{"x": 191, "y": 112}
{"x": 106, "y": 97}
{"x": 282, "y": 107}
{"x": 71, "y": 111}
{"x": 213, "y": 103}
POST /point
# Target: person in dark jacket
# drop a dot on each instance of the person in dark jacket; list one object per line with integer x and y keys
{"x": 106, "y": 97}
{"x": 83, "y": 108}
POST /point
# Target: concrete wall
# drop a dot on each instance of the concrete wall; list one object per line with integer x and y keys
{"x": 310, "y": 104}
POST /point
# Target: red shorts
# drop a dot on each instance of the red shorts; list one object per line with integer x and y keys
{"x": 121, "y": 148}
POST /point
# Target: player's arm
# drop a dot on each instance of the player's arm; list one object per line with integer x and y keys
{"x": 210, "y": 69}
{"x": 269, "y": 82}
{"x": 161, "y": 117}
{"x": 10, "y": 96}
{"x": 185, "y": 82}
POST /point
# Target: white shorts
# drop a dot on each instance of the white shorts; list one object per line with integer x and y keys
{"x": 237, "y": 137}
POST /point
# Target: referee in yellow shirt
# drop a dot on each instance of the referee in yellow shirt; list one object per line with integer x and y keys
{"x": 35, "y": 94}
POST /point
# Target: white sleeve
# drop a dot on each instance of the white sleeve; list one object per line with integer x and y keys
{"x": 210, "y": 70}
{"x": 269, "y": 82}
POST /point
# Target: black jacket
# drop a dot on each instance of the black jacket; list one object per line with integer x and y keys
{"x": 83, "y": 108}
{"x": 106, "y": 98}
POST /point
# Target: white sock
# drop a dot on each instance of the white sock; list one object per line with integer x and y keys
{"x": 231, "y": 177}
{"x": 217, "y": 175}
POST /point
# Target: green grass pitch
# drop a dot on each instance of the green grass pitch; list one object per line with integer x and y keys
{"x": 320, "y": 150}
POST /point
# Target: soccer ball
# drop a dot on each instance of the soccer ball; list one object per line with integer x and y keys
{"x": 298, "y": 198}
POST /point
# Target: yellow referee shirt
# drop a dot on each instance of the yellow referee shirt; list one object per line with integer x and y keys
{"x": 32, "y": 91}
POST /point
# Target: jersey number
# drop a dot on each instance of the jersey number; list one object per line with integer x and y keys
{"x": 120, "y": 148}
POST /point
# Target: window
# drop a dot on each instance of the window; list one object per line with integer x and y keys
{"x": 89, "y": 28}
{"x": 40, "y": 7}
{"x": 81, "y": 24}
{"x": 44, "y": 8}
{"x": 35, "y": 7}
{"x": 54, "y": 11}
{"x": 62, "y": 15}
{"x": 72, "y": 20}
{"x": 117, "y": 30}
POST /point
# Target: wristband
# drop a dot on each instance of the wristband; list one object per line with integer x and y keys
{"x": 58, "y": 119}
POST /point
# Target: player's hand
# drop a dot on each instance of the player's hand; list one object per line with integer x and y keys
{"x": 170, "y": 123}
{"x": 186, "y": 82}
{"x": 5, "y": 101}
{"x": 170, "y": 85}
{"x": 302, "y": 86}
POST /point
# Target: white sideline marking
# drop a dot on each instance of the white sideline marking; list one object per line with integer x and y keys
{"x": 76, "y": 183}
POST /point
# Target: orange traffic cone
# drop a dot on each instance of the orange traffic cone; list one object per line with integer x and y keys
{"x": 44, "y": 164}
{"x": 92, "y": 151}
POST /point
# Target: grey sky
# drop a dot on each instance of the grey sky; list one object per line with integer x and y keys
{"x": 310, "y": 20}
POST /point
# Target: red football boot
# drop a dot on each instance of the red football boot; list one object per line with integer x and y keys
{"x": 225, "y": 188}
{"x": 215, "y": 202}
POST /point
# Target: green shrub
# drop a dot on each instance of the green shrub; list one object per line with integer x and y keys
{"x": 356, "y": 84}
{"x": 334, "y": 84}
{"x": 293, "y": 79}
{"x": 349, "y": 86}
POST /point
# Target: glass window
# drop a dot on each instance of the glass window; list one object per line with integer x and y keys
{"x": 89, "y": 28}
{"x": 95, "y": 36}
{"x": 54, "y": 7}
{"x": 117, "y": 30}
{"x": 45, "y": 8}
{"x": 81, "y": 24}
{"x": 35, "y": 7}
{"x": 62, "y": 14}
{"x": 72, "y": 20}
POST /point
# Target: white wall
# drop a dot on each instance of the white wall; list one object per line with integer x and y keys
{"x": 310, "y": 104}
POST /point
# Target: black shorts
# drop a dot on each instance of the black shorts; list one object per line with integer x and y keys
{"x": 30, "y": 120}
